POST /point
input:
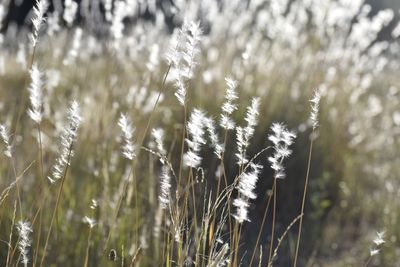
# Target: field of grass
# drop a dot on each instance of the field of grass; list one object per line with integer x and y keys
{"x": 252, "y": 133}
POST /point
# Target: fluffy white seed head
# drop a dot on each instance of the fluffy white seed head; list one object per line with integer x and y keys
{"x": 94, "y": 204}
{"x": 36, "y": 97}
{"x": 243, "y": 135}
{"x": 165, "y": 187}
{"x": 374, "y": 251}
{"x": 242, "y": 213}
{"x": 315, "y": 108}
{"x": 246, "y": 187}
{"x": 252, "y": 117}
{"x": 379, "y": 240}
{"x": 248, "y": 180}
{"x": 68, "y": 138}
{"x": 90, "y": 221}
{"x": 158, "y": 135}
{"x": 242, "y": 145}
{"x": 5, "y": 136}
{"x": 212, "y": 134}
{"x": 182, "y": 57}
{"x": 38, "y": 19}
{"x": 195, "y": 128}
{"x": 24, "y": 230}
{"x": 281, "y": 139}
{"x": 128, "y": 149}
{"x": 229, "y": 105}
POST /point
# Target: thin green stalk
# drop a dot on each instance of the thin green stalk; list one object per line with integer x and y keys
{"x": 42, "y": 186}
{"x": 11, "y": 234}
{"x": 273, "y": 225}
{"x": 304, "y": 200}
{"x": 262, "y": 224}
{"x": 87, "y": 247}
{"x": 56, "y": 206}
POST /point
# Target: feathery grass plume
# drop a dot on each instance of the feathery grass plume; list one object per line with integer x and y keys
{"x": 378, "y": 241}
{"x": 38, "y": 19}
{"x": 212, "y": 133}
{"x": 182, "y": 57}
{"x": 282, "y": 139}
{"x": 94, "y": 204}
{"x": 158, "y": 135}
{"x": 165, "y": 187}
{"x": 243, "y": 135}
{"x": 246, "y": 187}
{"x": 68, "y": 138}
{"x": 374, "y": 251}
{"x": 195, "y": 128}
{"x": 24, "y": 229}
{"x": 315, "y": 108}
{"x": 229, "y": 106}
{"x": 5, "y": 136}
{"x": 128, "y": 149}
{"x": 90, "y": 221}
{"x": 36, "y": 97}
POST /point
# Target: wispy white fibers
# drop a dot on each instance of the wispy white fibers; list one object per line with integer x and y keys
{"x": 128, "y": 149}
{"x": 195, "y": 128}
{"x": 315, "y": 108}
{"x": 247, "y": 184}
{"x": 24, "y": 230}
{"x": 68, "y": 138}
{"x": 39, "y": 10}
{"x": 165, "y": 187}
{"x": 36, "y": 97}
{"x": 282, "y": 139}
{"x": 182, "y": 57}
{"x": 212, "y": 134}
{"x": 229, "y": 105}
{"x": 378, "y": 241}
{"x": 158, "y": 135}
{"x": 252, "y": 117}
{"x": 90, "y": 221}
{"x": 243, "y": 135}
{"x": 165, "y": 178}
{"x": 5, "y": 136}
